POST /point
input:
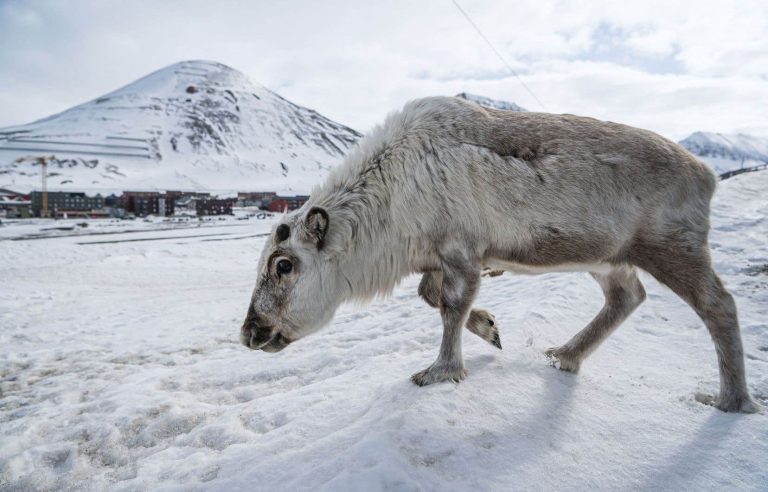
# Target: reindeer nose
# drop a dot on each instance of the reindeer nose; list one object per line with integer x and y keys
{"x": 255, "y": 337}
{"x": 255, "y": 331}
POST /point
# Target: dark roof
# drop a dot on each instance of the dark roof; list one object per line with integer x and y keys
{"x": 7, "y": 192}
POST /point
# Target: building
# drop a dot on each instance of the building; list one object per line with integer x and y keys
{"x": 145, "y": 205}
{"x": 260, "y": 199}
{"x": 116, "y": 212}
{"x": 214, "y": 206}
{"x": 71, "y": 204}
{"x": 187, "y": 201}
{"x": 282, "y": 203}
{"x": 14, "y": 205}
{"x": 171, "y": 197}
{"x": 113, "y": 201}
{"x": 141, "y": 203}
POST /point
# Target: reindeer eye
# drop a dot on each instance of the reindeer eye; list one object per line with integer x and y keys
{"x": 283, "y": 232}
{"x": 284, "y": 267}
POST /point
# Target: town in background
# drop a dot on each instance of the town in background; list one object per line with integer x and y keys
{"x": 131, "y": 204}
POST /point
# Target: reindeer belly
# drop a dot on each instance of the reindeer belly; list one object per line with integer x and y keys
{"x": 527, "y": 269}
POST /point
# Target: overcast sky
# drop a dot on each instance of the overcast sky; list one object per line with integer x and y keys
{"x": 673, "y": 67}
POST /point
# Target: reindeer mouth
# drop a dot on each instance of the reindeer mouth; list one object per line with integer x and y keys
{"x": 276, "y": 344}
{"x": 254, "y": 340}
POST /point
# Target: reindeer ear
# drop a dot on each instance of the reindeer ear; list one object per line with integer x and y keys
{"x": 316, "y": 226}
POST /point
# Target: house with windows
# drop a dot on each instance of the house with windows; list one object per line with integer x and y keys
{"x": 69, "y": 204}
{"x": 214, "y": 206}
{"x": 260, "y": 199}
{"x": 14, "y": 205}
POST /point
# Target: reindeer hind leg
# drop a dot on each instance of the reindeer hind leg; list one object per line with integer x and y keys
{"x": 623, "y": 293}
{"x": 480, "y": 322}
{"x": 687, "y": 270}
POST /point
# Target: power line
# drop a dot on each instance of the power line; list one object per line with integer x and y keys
{"x": 509, "y": 67}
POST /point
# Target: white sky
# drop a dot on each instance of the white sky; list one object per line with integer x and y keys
{"x": 673, "y": 67}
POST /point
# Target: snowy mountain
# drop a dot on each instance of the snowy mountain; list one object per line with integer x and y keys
{"x": 490, "y": 103}
{"x": 192, "y": 125}
{"x": 725, "y": 152}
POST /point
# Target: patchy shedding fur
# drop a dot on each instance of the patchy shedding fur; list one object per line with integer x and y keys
{"x": 447, "y": 188}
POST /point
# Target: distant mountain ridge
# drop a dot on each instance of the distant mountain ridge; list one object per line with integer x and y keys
{"x": 731, "y": 146}
{"x": 727, "y": 152}
{"x": 192, "y": 125}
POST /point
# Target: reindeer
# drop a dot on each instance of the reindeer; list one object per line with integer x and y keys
{"x": 447, "y": 188}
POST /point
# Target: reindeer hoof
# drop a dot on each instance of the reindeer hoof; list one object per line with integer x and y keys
{"x": 560, "y": 359}
{"x": 483, "y": 324}
{"x": 496, "y": 342}
{"x": 731, "y": 403}
{"x": 437, "y": 373}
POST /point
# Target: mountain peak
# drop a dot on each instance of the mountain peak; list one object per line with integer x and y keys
{"x": 195, "y": 125}
{"x": 188, "y": 76}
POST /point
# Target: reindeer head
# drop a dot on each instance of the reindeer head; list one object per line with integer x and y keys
{"x": 300, "y": 283}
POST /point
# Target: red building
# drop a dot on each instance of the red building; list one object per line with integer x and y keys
{"x": 282, "y": 203}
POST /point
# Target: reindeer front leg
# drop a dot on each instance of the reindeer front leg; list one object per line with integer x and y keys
{"x": 461, "y": 278}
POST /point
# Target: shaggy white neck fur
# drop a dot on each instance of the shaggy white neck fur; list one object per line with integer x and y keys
{"x": 372, "y": 251}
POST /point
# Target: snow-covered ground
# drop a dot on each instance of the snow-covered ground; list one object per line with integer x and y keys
{"x": 120, "y": 369}
{"x": 23, "y": 229}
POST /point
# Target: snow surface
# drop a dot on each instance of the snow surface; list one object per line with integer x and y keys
{"x": 22, "y": 229}
{"x": 195, "y": 125}
{"x": 120, "y": 369}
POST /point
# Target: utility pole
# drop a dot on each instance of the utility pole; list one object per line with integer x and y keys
{"x": 44, "y": 166}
